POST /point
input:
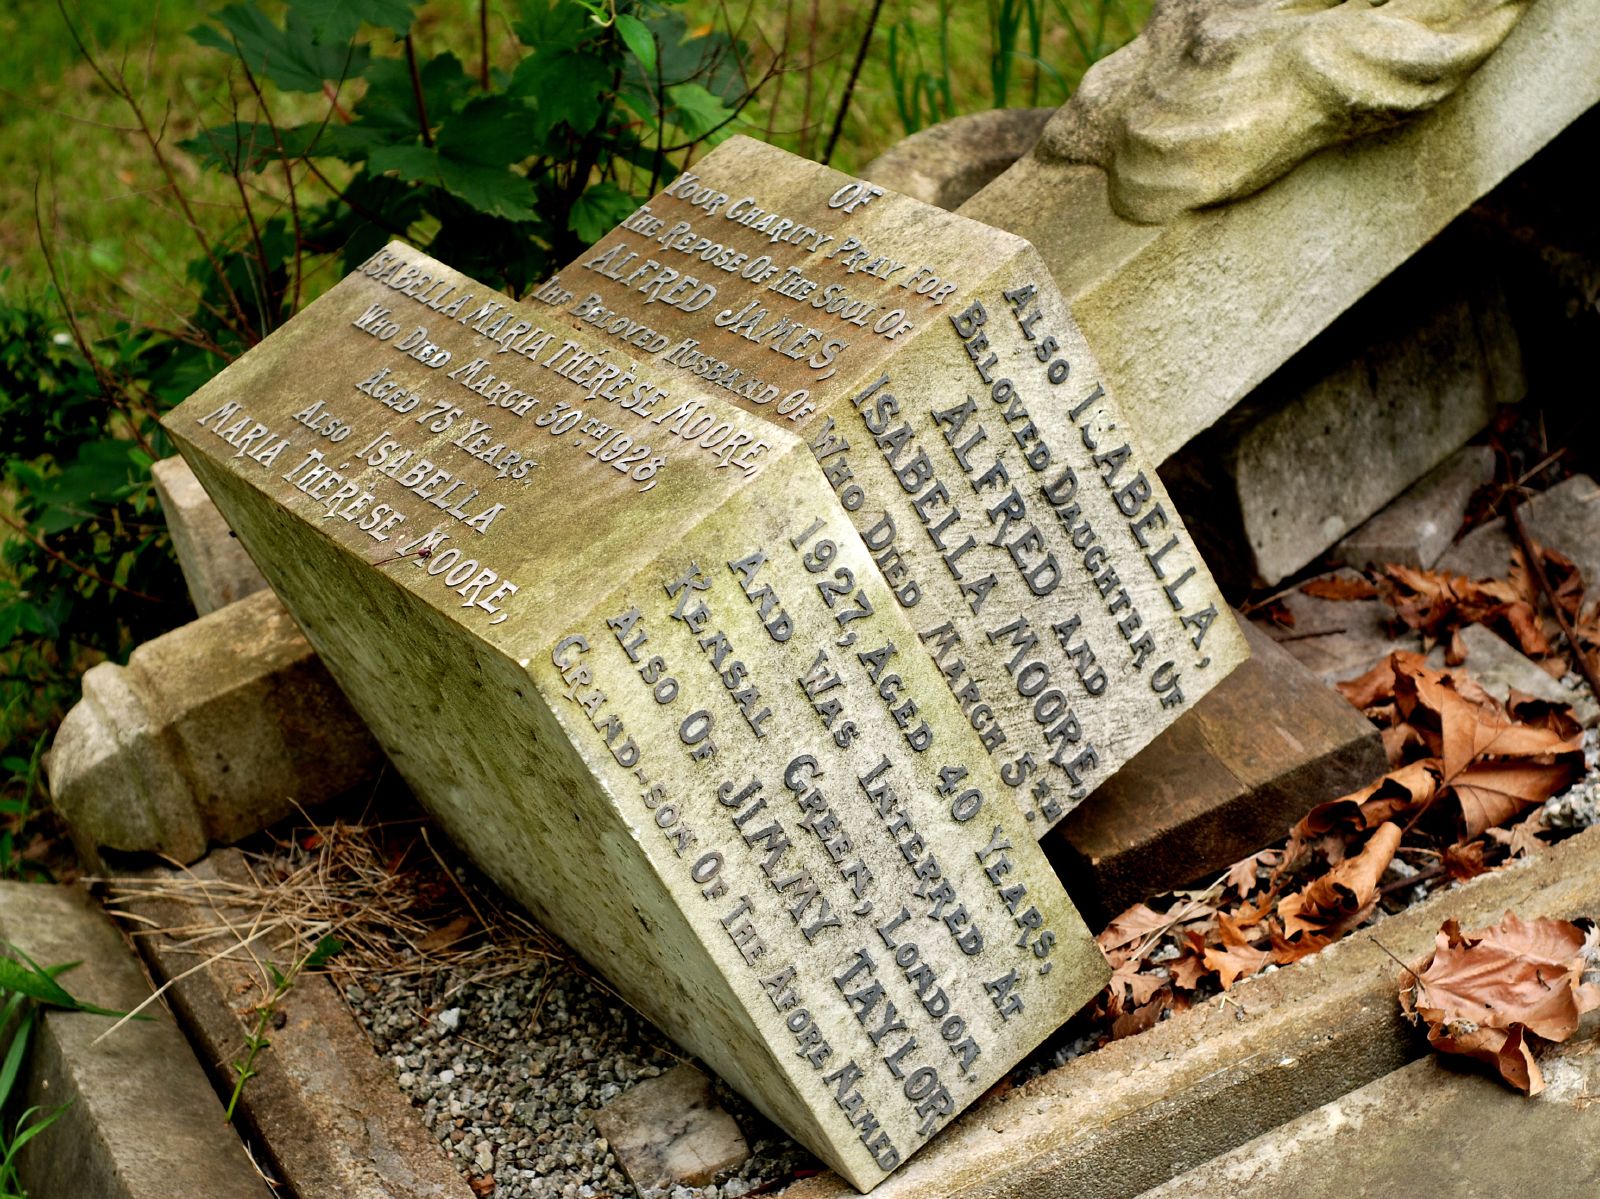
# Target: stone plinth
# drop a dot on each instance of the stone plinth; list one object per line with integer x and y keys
{"x": 1417, "y": 528}
{"x": 1381, "y": 398}
{"x": 620, "y": 639}
{"x": 210, "y": 733}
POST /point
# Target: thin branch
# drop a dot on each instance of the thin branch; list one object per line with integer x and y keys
{"x": 850, "y": 84}
{"x": 71, "y": 565}
{"x": 483, "y": 44}
{"x": 416, "y": 93}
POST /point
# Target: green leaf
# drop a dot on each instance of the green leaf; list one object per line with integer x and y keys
{"x": 291, "y": 57}
{"x": 16, "y": 1050}
{"x": 326, "y": 948}
{"x": 599, "y": 210}
{"x": 640, "y": 40}
{"x": 338, "y": 20}
{"x": 472, "y": 158}
{"x": 700, "y": 114}
{"x": 38, "y": 983}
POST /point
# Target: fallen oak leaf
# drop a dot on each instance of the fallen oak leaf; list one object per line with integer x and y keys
{"x": 1234, "y": 964}
{"x": 1345, "y": 892}
{"x": 1464, "y": 860}
{"x": 1482, "y": 992}
{"x": 1188, "y": 970}
{"x": 1138, "y": 921}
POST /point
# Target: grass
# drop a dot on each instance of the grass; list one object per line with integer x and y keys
{"x": 111, "y": 215}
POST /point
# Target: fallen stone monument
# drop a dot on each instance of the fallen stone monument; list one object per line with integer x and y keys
{"x": 675, "y": 684}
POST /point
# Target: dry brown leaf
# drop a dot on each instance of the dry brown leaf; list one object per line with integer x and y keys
{"x": 1514, "y": 977}
{"x": 1188, "y": 970}
{"x": 1244, "y": 876}
{"x": 1491, "y": 793}
{"x": 1345, "y": 892}
{"x": 1376, "y": 687}
{"x": 1340, "y": 587}
{"x": 1126, "y": 980}
{"x": 1141, "y": 1018}
{"x": 1137, "y": 922}
{"x": 1234, "y": 964}
{"x": 1464, "y": 860}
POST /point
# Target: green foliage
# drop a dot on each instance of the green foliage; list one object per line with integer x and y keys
{"x": 921, "y": 74}
{"x": 88, "y": 555}
{"x": 282, "y": 983}
{"x": 505, "y": 174}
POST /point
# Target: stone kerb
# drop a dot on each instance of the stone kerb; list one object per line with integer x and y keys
{"x": 1139, "y": 1111}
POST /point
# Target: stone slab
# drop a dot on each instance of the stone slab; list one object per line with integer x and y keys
{"x": 1182, "y": 350}
{"x": 1381, "y": 398}
{"x": 641, "y": 690}
{"x": 1233, "y": 774}
{"x": 143, "y": 1121}
{"x": 215, "y": 566}
{"x": 325, "y": 1110}
{"x": 1428, "y": 1129}
{"x": 670, "y": 1131}
{"x": 1338, "y": 639}
{"x": 210, "y": 733}
{"x": 1500, "y": 668}
{"x": 962, "y": 425}
{"x": 947, "y": 164}
{"x": 1143, "y": 1110}
{"x": 1419, "y": 525}
{"x": 1566, "y": 517}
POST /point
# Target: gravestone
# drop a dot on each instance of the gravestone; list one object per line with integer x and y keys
{"x": 960, "y": 420}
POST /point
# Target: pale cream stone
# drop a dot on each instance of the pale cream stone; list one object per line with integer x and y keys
{"x": 215, "y": 566}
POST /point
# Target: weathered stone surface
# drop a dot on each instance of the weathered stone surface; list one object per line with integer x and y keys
{"x": 1500, "y": 668}
{"x": 1419, "y": 525}
{"x": 322, "y": 1106}
{"x": 670, "y": 1131}
{"x": 962, "y": 426}
{"x": 142, "y": 1121}
{"x": 1381, "y": 398}
{"x": 1566, "y": 518}
{"x": 946, "y": 164}
{"x": 210, "y": 733}
{"x": 1427, "y": 1129}
{"x": 1180, "y": 349}
{"x": 1139, "y": 1111}
{"x": 215, "y": 566}
{"x": 1233, "y": 774}
{"x": 1336, "y": 640}
{"x": 593, "y": 671}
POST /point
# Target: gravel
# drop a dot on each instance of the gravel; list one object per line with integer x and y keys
{"x": 507, "y": 1076}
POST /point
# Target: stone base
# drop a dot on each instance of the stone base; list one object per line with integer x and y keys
{"x": 947, "y": 164}
{"x": 1389, "y": 392}
{"x": 210, "y": 733}
{"x": 1233, "y": 774}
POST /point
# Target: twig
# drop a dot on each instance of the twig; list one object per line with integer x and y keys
{"x": 71, "y": 565}
{"x": 1416, "y": 879}
{"x": 850, "y": 83}
{"x": 1416, "y": 979}
{"x": 1530, "y": 550}
{"x": 416, "y": 93}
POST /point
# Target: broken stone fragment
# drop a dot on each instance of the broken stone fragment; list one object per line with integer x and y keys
{"x": 210, "y": 733}
{"x": 1233, "y": 774}
{"x": 670, "y": 1131}
{"x": 215, "y": 566}
{"x": 1419, "y": 525}
{"x": 1565, "y": 518}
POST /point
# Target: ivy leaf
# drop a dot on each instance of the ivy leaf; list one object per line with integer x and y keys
{"x": 336, "y": 21}
{"x": 599, "y": 210}
{"x": 700, "y": 114}
{"x": 472, "y": 158}
{"x": 291, "y": 57}
{"x": 636, "y": 34}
